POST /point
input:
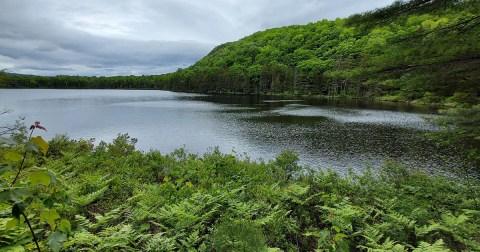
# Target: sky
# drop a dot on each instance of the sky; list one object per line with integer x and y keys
{"x": 142, "y": 37}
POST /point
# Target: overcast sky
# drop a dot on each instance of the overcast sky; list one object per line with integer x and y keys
{"x": 119, "y": 37}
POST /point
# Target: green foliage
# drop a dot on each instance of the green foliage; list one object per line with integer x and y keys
{"x": 237, "y": 235}
{"x": 287, "y": 165}
{"x": 126, "y": 200}
{"x": 31, "y": 195}
{"x": 423, "y": 51}
{"x": 3, "y": 78}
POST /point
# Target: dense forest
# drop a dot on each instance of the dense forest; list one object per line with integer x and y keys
{"x": 420, "y": 50}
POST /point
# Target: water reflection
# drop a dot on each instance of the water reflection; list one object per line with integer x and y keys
{"x": 327, "y": 133}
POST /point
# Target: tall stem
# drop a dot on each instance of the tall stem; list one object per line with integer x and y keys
{"x": 31, "y": 230}
{"x": 15, "y": 180}
{"x": 23, "y": 160}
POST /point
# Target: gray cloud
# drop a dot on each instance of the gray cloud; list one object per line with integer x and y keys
{"x": 113, "y": 37}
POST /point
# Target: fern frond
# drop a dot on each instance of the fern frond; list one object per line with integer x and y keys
{"x": 84, "y": 200}
{"x": 424, "y": 230}
{"x": 160, "y": 243}
{"x": 83, "y": 241}
{"x": 401, "y": 219}
{"x": 108, "y": 218}
{"x": 82, "y": 222}
{"x": 427, "y": 247}
{"x": 372, "y": 235}
{"x": 18, "y": 234}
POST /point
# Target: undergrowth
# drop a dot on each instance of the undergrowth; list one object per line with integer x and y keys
{"x": 122, "y": 199}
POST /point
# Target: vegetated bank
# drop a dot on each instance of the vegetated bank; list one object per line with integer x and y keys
{"x": 111, "y": 197}
{"x": 420, "y": 50}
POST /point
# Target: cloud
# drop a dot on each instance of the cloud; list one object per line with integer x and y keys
{"x": 114, "y": 37}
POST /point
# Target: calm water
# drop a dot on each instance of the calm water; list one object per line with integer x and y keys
{"x": 327, "y": 133}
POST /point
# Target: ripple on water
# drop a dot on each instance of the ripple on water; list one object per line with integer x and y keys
{"x": 345, "y": 115}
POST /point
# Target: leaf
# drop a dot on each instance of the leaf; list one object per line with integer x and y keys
{"x": 37, "y": 125}
{"x": 41, "y": 127}
{"x": 313, "y": 233}
{"x": 5, "y": 168}
{"x": 398, "y": 248}
{"x": 324, "y": 234}
{"x": 145, "y": 227}
{"x": 337, "y": 229}
{"x": 343, "y": 246}
{"x": 31, "y": 147}
{"x": 50, "y": 216}
{"x": 15, "y": 195}
{"x": 11, "y": 224}
{"x": 56, "y": 240}
{"x": 16, "y": 211}
{"x": 39, "y": 178}
{"x": 13, "y": 156}
{"x": 339, "y": 237}
{"x": 14, "y": 248}
{"x": 64, "y": 226}
{"x": 40, "y": 143}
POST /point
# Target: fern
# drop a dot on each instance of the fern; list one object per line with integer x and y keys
{"x": 89, "y": 189}
{"x": 161, "y": 243}
{"x": 83, "y": 241}
{"x": 461, "y": 228}
{"x": 386, "y": 246}
{"x": 274, "y": 214}
{"x": 120, "y": 237}
{"x": 343, "y": 215}
{"x": 238, "y": 235}
{"x": 424, "y": 230}
{"x": 400, "y": 220}
{"x": 83, "y": 200}
{"x": 108, "y": 218}
{"x": 9, "y": 236}
{"x": 82, "y": 222}
{"x": 438, "y": 246}
{"x": 191, "y": 241}
{"x": 372, "y": 235}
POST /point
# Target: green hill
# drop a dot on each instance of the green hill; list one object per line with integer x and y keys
{"x": 419, "y": 49}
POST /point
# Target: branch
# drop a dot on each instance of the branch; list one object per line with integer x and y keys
{"x": 463, "y": 26}
{"x": 5, "y": 111}
{"x": 405, "y": 67}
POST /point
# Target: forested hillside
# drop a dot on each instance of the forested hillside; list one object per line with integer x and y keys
{"x": 424, "y": 50}
{"x": 420, "y": 49}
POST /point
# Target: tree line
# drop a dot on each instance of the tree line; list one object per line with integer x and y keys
{"x": 424, "y": 50}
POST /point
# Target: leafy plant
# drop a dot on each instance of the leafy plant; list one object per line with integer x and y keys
{"x": 32, "y": 195}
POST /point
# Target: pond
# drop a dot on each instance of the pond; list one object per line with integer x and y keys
{"x": 327, "y": 133}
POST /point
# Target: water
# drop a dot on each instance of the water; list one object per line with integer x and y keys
{"x": 335, "y": 134}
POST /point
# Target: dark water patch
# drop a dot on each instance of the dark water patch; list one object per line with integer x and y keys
{"x": 286, "y": 120}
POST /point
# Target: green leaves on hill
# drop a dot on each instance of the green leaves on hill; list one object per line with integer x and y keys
{"x": 425, "y": 52}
